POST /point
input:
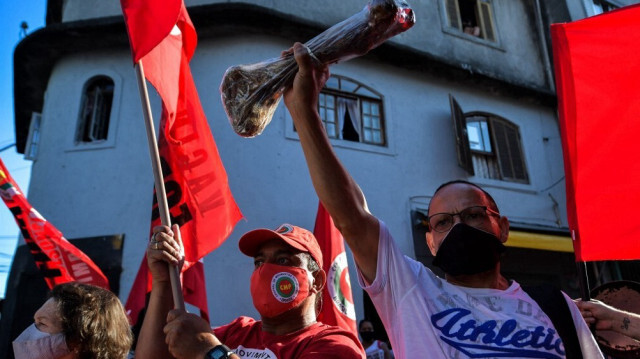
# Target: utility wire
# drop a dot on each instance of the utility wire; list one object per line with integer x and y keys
{"x": 7, "y": 147}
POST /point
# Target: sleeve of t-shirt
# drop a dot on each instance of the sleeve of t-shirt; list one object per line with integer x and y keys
{"x": 396, "y": 275}
{"x": 224, "y": 332}
{"x": 588, "y": 343}
{"x": 334, "y": 345}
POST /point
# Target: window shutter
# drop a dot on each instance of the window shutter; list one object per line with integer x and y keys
{"x": 462, "y": 140}
{"x": 486, "y": 21}
{"x": 509, "y": 151}
{"x": 453, "y": 13}
{"x": 33, "y": 139}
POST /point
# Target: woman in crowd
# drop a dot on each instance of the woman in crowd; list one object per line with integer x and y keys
{"x": 78, "y": 321}
{"x": 375, "y": 349}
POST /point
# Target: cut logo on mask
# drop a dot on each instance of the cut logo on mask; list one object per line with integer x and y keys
{"x": 276, "y": 289}
{"x": 284, "y": 287}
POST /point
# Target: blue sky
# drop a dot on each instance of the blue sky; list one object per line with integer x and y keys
{"x": 14, "y": 12}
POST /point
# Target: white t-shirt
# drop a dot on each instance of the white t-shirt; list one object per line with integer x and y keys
{"x": 374, "y": 351}
{"x": 427, "y": 317}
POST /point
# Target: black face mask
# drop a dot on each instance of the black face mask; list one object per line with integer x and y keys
{"x": 468, "y": 250}
{"x": 367, "y": 336}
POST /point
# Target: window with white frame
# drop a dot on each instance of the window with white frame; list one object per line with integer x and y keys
{"x": 95, "y": 110}
{"x": 352, "y": 111}
{"x": 488, "y": 145}
{"x": 471, "y": 17}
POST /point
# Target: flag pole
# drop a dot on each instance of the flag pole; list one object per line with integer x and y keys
{"x": 583, "y": 279}
{"x": 161, "y": 194}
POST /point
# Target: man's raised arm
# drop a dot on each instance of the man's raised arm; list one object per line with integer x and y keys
{"x": 335, "y": 187}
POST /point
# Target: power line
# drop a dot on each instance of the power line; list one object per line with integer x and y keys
{"x": 7, "y": 147}
{"x": 19, "y": 169}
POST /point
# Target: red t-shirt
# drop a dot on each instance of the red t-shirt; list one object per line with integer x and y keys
{"x": 245, "y": 336}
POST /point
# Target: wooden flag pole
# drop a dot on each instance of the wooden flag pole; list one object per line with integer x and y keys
{"x": 161, "y": 194}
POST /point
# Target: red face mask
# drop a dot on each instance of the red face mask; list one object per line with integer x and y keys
{"x": 276, "y": 289}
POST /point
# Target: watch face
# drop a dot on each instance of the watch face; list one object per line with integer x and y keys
{"x": 219, "y": 352}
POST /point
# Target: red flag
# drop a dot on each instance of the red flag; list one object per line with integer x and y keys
{"x": 58, "y": 260}
{"x": 597, "y": 66}
{"x": 198, "y": 193}
{"x": 193, "y": 290}
{"x": 338, "y": 308}
{"x": 148, "y": 23}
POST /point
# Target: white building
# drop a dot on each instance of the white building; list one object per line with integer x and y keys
{"x": 500, "y": 75}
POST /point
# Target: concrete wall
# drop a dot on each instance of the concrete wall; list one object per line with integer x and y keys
{"x": 517, "y": 49}
{"x": 107, "y": 190}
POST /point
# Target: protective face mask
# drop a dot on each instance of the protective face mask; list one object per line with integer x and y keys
{"x": 468, "y": 250}
{"x": 276, "y": 289}
{"x": 367, "y": 336}
{"x": 34, "y": 344}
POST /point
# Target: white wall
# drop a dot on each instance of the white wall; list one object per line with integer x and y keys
{"x": 519, "y": 56}
{"x": 108, "y": 191}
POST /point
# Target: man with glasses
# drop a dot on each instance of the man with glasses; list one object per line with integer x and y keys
{"x": 474, "y": 311}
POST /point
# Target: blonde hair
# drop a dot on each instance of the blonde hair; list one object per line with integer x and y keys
{"x": 93, "y": 321}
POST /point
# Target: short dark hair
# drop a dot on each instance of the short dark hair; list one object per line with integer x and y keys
{"x": 362, "y": 321}
{"x": 492, "y": 202}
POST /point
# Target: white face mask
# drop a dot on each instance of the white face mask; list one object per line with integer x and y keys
{"x": 34, "y": 344}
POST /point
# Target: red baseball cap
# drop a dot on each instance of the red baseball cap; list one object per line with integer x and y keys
{"x": 297, "y": 237}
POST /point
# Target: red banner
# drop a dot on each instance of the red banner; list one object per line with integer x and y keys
{"x": 597, "y": 67}
{"x": 198, "y": 193}
{"x": 58, "y": 260}
{"x": 338, "y": 308}
{"x": 193, "y": 290}
{"x": 149, "y": 23}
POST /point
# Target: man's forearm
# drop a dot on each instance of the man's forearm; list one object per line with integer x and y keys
{"x": 151, "y": 340}
{"x": 335, "y": 187}
{"x": 627, "y": 323}
{"x": 339, "y": 193}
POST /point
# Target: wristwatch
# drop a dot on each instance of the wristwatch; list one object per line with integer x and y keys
{"x": 219, "y": 352}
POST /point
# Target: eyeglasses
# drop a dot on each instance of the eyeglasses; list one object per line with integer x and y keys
{"x": 473, "y": 216}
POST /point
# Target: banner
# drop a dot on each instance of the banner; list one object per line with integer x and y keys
{"x": 597, "y": 67}
{"x": 58, "y": 260}
{"x": 198, "y": 193}
{"x": 338, "y": 308}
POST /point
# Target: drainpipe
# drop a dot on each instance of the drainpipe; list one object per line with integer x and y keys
{"x": 545, "y": 49}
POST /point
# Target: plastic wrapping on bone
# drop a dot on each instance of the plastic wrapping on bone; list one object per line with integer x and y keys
{"x": 251, "y": 93}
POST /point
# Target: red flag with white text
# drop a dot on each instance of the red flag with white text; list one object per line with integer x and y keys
{"x": 597, "y": 67}
{"x": 338, "y": 308}
{"x": 58, "y": 259}
{"x": 198, "y": 193}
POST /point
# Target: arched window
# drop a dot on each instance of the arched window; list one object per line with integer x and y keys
{"x": 352, "y": 111}
{"x": 95, "y": 110}
{"x": 489, "y": 146}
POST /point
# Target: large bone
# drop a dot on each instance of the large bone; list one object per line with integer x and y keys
{"x": 251, "y": 93}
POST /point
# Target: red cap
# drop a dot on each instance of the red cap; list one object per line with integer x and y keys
{"x": 297, "y": 237}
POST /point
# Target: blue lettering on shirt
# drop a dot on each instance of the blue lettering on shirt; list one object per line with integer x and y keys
{"x": 489, "y": 340}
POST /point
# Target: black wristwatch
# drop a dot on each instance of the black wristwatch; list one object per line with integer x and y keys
{"x": 219, "y": 352}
